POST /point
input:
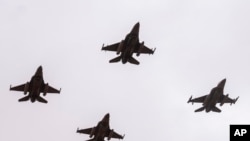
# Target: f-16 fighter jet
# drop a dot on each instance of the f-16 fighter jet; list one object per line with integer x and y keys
{"x": 216, "y": 96}
{"x": 35, "y": 87}
{"x": 101, "y": 131}
{"x": 127, "y": 47}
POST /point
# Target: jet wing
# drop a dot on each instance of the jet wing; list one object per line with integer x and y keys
{"x": 53, "y": 90}
{"x": 112, "y": 47}
{"x": 226, "y": 99}
{"x": 145, "y": 50}
{"x": 18, "y": 88}
{"x": 46, "y": 88}
{"x": 198, "y": 100}
{"x": 85, "y": 131}
{"x": 114, "y": 135}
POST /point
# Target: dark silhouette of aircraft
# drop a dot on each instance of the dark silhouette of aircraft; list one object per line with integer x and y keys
{"x": 101, "y": 131}
{"x": 216, "y": 96}
{"x": 35, "y": 87}
{"x": 127, "y": 47}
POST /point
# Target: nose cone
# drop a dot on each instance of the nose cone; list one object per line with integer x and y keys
{"x": 135, "y": 29}
{"x": 39, "y": 70}
{"x": 106, "y": 117}
{"x": 137, "y": 25}
{"x": 222, "y": 83}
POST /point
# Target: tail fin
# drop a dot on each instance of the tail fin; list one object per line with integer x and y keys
{"x": 133, "y": 61}
{"x": 200, "y": 109}
{"x": 215, "y": 109}
{"x": 117, "y": 59}
{"x": 26, "y": 98}
{"x": 40, "y": 99}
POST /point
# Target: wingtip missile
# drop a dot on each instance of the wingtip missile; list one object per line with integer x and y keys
{"x": 190, "y": 100}
{"x": 236, "y": 99}
{"x": 102, "y": 46}
{"x": 77, "y": 129}
{"x": 154, "y": 50}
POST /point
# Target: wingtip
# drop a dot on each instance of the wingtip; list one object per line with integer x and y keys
{"x": 189, "y": 100}
{"x": 102, "y": 46}
{"x": 236, "y": 99}
{"x": 77, "y": 129}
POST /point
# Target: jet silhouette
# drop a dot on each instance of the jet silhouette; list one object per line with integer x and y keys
{"x": 216, "y": 96}
{"x": 101, "y": 131}
{"x": 127, "y": 47}
{"x": 35, "y": 87}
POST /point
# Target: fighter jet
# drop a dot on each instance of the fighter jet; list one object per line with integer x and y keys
{"x": 216, "y": 96}
{"x": 101, "y": 131}
{"x": 35, "y": 87}
{"x": 127, "y": 47}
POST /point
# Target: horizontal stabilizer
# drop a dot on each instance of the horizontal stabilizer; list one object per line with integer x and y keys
{"x": 26, "y": 98}
{"x": 133, "y": 61}
{"x": 40, "y": 99}
{"x": 215, "y": 109}
{"x": 92, "y": 139}
{"x": 200, "y": 109}
{"x": 117, "y": 59}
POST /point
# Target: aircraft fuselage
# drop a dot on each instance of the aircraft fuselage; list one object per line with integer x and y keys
{"x": 130, "y": 43}
{"x": 36, "y": 83}
{"x": 214, "y": 97}
{"x": 102, "y": 128}
{"x": 101, "y": 132}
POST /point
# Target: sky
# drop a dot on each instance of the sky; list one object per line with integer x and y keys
{"x": 198, "y": 43}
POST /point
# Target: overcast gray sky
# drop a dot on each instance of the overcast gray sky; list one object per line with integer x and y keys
{"x": 198, "y": 44}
